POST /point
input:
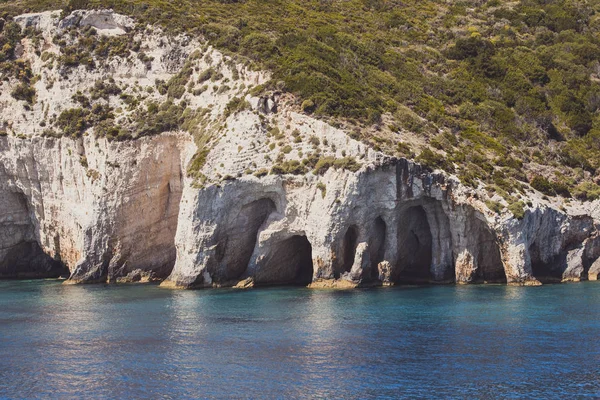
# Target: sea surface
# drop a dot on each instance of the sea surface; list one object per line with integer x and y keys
{"x": 140, "y": 341}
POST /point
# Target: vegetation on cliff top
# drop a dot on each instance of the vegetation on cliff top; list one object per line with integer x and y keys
{"x": 506, "y": 93}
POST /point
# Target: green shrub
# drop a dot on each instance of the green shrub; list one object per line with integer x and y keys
{"x": 433, "y": 160}
{"x": 587, "y": 191}
{"x": 25, "y": 92}
{"x": 543, "y": 185}
{"x": 197, "y": 162}
{"x": 517, "y": 209}
{"x": 494, "y": 206}
{"x": 261, "y": 172}
{"x": 236, "y": 105}
{"x": 321, "y": 186}
{"x": 73, "y": 122}
{"x": 293, "y": 167}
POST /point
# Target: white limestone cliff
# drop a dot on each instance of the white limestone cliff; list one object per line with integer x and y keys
{"x": 122, "y": 210}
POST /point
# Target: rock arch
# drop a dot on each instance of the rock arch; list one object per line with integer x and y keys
{"x": 236, "y": 243}
{"x": 287, "y": 262}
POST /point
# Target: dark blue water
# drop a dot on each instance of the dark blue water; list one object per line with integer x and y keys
{"x": 451, "y": 341}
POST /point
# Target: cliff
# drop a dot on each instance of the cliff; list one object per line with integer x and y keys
{"x": 184, "y": 172}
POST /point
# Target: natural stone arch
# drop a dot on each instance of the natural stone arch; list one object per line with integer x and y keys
{"x": 236, "y": 243}
{"x": 287, "y": 262}
{"x": 414, "y": 247}
{"x": 377, "y": 246}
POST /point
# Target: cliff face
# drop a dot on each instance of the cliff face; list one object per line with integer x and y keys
{"x": 333, "y": 212}
{"x": 101, "y": 209}
{"x": 391, "y": 222}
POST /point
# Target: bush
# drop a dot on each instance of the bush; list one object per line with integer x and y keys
{"x": 433, "y": 160}
{"x": 517, "y": 209}
{"x": 293, "y": 167}
{"x": 543, "y": 185}
{"x": 236, "y": 105}
{"x": 321, "y": 186}
{"x": 73, "y": 122}
{"x": 587, "y": 191}
{"x": 25, "y": 92}
{"x": 308, "y": 106}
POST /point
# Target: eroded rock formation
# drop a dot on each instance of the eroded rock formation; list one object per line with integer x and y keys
{"x": 391, "y": 222}
{"x": 129, "y": 210}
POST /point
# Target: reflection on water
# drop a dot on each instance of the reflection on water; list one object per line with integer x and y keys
{"x": 449, "y": 341}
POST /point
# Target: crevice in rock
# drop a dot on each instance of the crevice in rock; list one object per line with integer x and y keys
{"x": 289, "y": 262}
{"x": 414, "y": 247}
{"x": 349, "y": 249}
{"x": 377, "y": 246}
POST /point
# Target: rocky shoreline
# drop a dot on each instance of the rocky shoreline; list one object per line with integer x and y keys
{"x": 131, "y": 210}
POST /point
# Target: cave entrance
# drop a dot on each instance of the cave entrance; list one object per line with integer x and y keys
{"x": 490, "y": 267}
{"x": 236, "y": 245}
{"x": 21, "y": 255}
{"x": 414, "y": 247}
{"x": 547, "y": 271}
{"x": 377, "y": 246}
{"x": 289, "y": 263}
{"x": 349, "y": 248}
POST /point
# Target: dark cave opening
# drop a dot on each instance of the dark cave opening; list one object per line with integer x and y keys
{"x": 349, "y": 248}
{"x": 414, "y": 247}
{"x": 289, "y": 262}
{"x": 490, "y": 267}
{"x": 22, "y": 256}
{"x": 237, "y": 243}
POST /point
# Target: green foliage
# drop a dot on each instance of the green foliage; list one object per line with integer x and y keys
{"x": 156, "y": 119}
{"x": 261, "y": 172}
{"x": 494, "y": 206}
{"x": 517, "y": 209}
{"x": 24, "y": 92}
{"x": 321, "y": 186}
{"x": 197, "y": 162}
{"x": 543, "y": 185}
{"x": 500, "y": 77}
{"x": 176, "y": 85}
{"x": 293, "y": 167}
{"x": 587, "y": 191}
{"x": 433, "y": 160}
{"x": 104, "y": 89}
{"x": 73, "y": 121}
{"x": 236, "y": 105}
{"x": 324, "y": 163}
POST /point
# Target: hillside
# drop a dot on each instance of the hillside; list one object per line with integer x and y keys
{"x": 130, "y": 152}
{"x": 496, "y": 92}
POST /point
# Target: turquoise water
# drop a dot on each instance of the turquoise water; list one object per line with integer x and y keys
{"x": 444, "y": 341}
